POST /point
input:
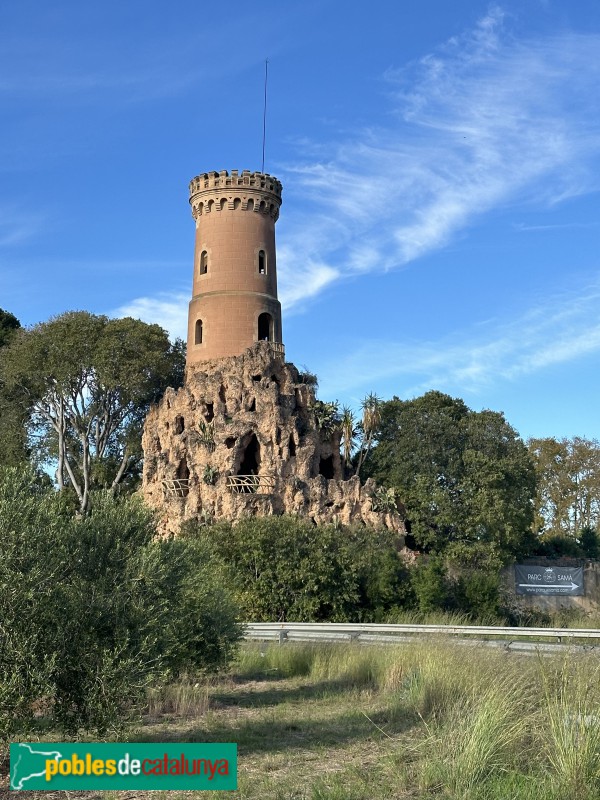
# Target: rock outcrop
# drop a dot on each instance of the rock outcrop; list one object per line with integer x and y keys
{"x": 241, "y": 439}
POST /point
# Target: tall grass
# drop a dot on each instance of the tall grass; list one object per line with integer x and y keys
{"x": 186, "y": 698}
{"x": 524, "y": 727}
{"x": 570, "y": 722}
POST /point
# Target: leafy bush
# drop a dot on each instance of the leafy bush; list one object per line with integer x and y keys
{"x": 557, "y": 546}
{"x": 95, "y": 610}
{"x": 286, "y": 568}
{"x": 590, "y": 543}
{"x": 431, "y": 586}
{"x": 465, "y": 580}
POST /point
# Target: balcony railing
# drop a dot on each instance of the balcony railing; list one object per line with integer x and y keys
{"x": 276, "y": 347}
{"x": 179, "y": 487}
{"x": 251, "y": 484}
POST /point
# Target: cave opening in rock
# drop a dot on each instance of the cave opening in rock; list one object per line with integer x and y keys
{"x": 179, "y": 424}
{"x": 250, "y": 463}
{"x": 292, "y": 446}
{"x": 183, "y": 475}
{"x": 183, "y": 472}
{"x": 210, "y": 412}
{"x": 326, "y": 467}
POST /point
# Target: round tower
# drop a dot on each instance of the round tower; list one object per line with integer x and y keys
{"x": 234, "y": 297}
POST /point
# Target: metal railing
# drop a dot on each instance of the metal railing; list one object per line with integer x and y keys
{"x": 375, "y": 633}
{"x": 251, "y": 484}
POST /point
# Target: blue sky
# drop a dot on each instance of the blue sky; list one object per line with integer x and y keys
{"x": 440, "y": 164}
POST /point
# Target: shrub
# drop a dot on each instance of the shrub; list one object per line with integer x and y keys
{"x": 286, "y": 568}
{"x": 95, "y": 610}
{"x": 431, "y": 586}
{"x": 589, "y": 543}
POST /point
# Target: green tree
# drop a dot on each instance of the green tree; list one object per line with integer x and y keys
{"x": 95, "y": 609}
{"x": 13, "y": 441}
{"x": 367, "y": 428}
{"x": 87, "y": 382}
{"x": 8, "y": 325}
{"x": 568, "y": 480}
{"x": 463, "y": 476}
{"x": 348, "y": 432}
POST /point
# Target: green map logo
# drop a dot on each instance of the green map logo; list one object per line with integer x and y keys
{"x": 68, "y": 767}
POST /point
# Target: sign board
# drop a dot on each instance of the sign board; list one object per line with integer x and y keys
{"x": 535, "y": 579}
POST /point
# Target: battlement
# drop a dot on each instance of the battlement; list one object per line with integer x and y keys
{"x": 249, "y": 191}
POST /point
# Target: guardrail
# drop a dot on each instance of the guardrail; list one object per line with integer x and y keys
{"x": 375, "y": 633}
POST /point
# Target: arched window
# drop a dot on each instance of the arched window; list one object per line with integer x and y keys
{"x": 198, "y": 332}
{"x": 223, "y": 203}
{"x": 203, "y": 262}
{"x": 265, "y": 328}
{"x": 262, "y": 262}
{"x": 250, "y": 205}
{"x": 237, "y": 203}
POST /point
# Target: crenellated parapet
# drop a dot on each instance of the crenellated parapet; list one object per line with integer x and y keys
{"x": 247, "y": 191}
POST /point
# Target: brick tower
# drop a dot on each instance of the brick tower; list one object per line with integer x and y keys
{"x": 234, "y": 297}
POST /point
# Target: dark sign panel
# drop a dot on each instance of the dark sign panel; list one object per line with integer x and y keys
{"x": 533, "y": 579}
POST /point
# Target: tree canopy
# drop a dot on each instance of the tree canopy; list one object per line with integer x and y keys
{"x": 463, "y": 476}
{"x": 87, "y": 382}
{"x": 8, "y": 325}
{"x": 13, "y": 441}
{"x": 568, "y": 495}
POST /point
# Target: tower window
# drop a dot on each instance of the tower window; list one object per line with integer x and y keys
{"x": 265, "y": 327}
{"x": 262, "y": 262}
{"x": 203, "y": 262}
{"x": 198, "y": 332}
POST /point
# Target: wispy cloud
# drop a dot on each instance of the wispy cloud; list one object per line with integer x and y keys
{"x": 484, "y": 121}
{"x": 17, "y": 227}
{"x": 522, "y": 227}
{"x": 562, "y": 329}
{"x": 169, "y": 310}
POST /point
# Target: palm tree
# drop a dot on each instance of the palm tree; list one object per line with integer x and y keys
{"x": 371, "y": 417}
{"x": 348, "y": 430}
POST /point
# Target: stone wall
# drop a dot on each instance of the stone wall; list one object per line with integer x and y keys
{"x": 240, "y": 439}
